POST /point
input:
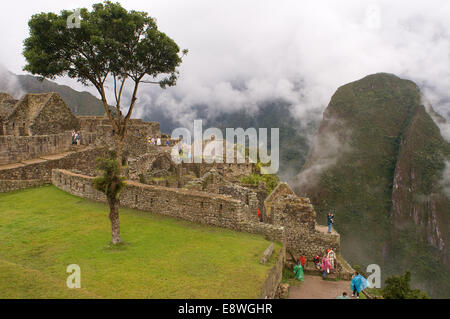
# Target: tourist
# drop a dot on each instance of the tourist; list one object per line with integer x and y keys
{"x": 358, "y": 284}
{"x": 302, "y": 261}
{"x": 298, "y": 271}
{"x": 332, "y": 258}
{"x": 326, "y": 267}
{"x": 317, "y": 262}
{"x": 330, "y": 221}
{"x": 149, "y": 140}
{"x": 77, "y": 138}
{"x": 73, "y": 137}
{"x": 168, "y": 143}
{"x": 343, "y": 296}
{"x": 158, "y": 141}
{"x": 259, "y": 214}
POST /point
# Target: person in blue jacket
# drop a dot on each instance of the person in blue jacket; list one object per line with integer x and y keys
{"x": 358, "y": 284}
{"x": 330, "y": 221}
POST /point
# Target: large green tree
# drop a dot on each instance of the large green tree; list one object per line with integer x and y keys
{"x": 110, "y": 46}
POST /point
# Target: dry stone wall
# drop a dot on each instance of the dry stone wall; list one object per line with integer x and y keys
{"x": 20, "y": 148}
{"x": 83, "y": 161}
{"x": 273, "y": 280}
{"x": 197, "y": 207}
{"x": 13, "y": 185}
{"x": 302, "y": 236}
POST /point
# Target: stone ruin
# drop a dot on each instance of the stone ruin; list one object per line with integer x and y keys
{"x": 36, "y": 149}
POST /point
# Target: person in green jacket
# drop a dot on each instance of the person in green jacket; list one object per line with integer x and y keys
{"x": 298, "y": 271}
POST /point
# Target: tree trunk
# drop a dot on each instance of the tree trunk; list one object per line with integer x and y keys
{"x": 114, "y": 218}
{"x": 119, "y": 150}
{"x": 114, "y": 202}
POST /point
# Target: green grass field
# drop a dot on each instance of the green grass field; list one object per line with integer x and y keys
{"x": 43, "y": 230}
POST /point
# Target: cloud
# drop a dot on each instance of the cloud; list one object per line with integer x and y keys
{"x": 445, "y": 182}
{"x": 9, "y": 83}
{"x": 244, "y": 52}
{"x": 327, "y": 150}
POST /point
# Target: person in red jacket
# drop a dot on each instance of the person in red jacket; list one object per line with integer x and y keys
{"x": 302, "y": 260}
{"x": 259, "y": 215}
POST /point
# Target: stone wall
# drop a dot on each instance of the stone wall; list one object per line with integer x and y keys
{"x": 136, "y": 140}
{"x": 40, "y": 114}
{"x": 55, "y": 117}
{"x": 84, "y": 161}
{"x": 158, "y": 156}
{"x": 231, "y": 171}
{"x": 302, "y": 236}
{"x": 269, "y": 290}
{"x": 20, "y": 148}
{"x": 197, "y": 207}
{"x": 245, "y": 195}
{"x": 13, "y": 185}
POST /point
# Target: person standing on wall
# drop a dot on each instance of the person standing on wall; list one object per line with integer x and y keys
{"x": 330, "y": 221}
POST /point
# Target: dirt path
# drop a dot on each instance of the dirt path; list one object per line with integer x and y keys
{"x": 314, "y": 287}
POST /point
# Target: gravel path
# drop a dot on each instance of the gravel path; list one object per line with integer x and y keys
{"x": 314, "y": 287}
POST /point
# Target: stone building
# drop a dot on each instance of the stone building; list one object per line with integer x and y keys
{"x": 36, "y": 114}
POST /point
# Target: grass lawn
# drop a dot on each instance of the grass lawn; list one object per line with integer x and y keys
{"x": 43, "y": 230}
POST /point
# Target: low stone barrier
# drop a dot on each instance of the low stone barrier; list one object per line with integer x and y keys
{"x": 267, "y": 254}
{"x": 194, "y": 206}
{"x": 41, "y": 169}
{"x": 273, "y": 280}
{"x": 14, "y": 185}
{"x": 20, "y": 148}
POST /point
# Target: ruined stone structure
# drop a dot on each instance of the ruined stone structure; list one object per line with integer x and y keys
{"x": 136, "y": 141}
{"x": 36, "y": 114}
{"x": 36, "y": 149}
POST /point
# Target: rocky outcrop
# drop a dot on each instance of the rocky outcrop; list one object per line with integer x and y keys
{"x": 377, "y": 164}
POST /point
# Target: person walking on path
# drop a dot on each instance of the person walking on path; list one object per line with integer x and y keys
{"x": 298, "y": 271}
{"x": 343, "y": 296}
{"x": 330, "y": 221}
{"x": 326, "y": 267}
{"x": 358, "y": 284}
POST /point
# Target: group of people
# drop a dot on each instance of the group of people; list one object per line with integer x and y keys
{"x": 327, "y": 263}
{"x": 153, "y": 141}
{"x": 76, "y": 138}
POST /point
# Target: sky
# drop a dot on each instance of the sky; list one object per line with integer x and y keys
{"x": 244, "y": 52}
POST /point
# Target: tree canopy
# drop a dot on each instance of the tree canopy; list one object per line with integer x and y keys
{"x": 111, "y": 43}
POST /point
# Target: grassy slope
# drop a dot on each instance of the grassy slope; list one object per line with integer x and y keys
{"x": 44, "y": 230}
{"x": 376, "y": 112}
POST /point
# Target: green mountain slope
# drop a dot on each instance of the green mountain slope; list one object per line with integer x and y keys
{"x": 377, "y": 162}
